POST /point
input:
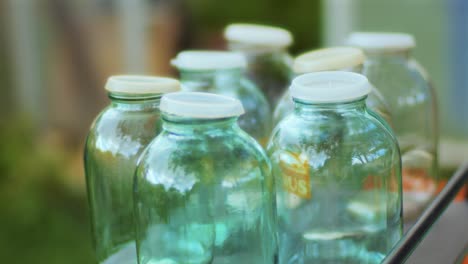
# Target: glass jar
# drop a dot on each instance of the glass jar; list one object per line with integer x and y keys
{"x": 265, "y": 47}
{"x": 223, "y": 73}
{"x": 338, "y": 174}
{"x": 203, "y": 188}
{"x": 117, "y": 137}
{"x": 412, "y": 102}
{"x": 331, "y": 59}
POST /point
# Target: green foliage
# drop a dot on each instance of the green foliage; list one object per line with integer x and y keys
{"x": 43, "y": 222}
{"x": 302, "y": 17}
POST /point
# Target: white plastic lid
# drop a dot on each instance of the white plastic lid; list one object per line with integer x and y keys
{"x": 258, "y": 35}
{"x": 201, "y": 105}
{"x": 381, "y": 41}
{"x": 330, "y": 87}
{"x": 140, "y": 84}
{"x": 329, "y": 59}
{"x": 209, "y": 60}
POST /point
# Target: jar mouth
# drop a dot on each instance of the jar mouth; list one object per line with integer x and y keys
{"x": 200, "y": 105}
{"x": 330, "y": 87}
{"x": 258, "y": 35}
{"x": 141, "y": 85}
{"x": 387, "y": 42}
{"x": 328, "y": 59}
{"x": 208, "y": 60}
{"x": 134, "y": 97}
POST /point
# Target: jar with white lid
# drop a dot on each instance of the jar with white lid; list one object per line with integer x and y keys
{"x": 412, "y": 100}
{"x": 116, "y": 139}
{"x": 331, "y": 59}
{"x": 203, "y": 188}
{"x": 266, "y": 50}
{"x": 337, "y": 169}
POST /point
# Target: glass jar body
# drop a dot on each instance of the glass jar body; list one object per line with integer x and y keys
{"x": 338, "y": 178}
{"x": 413, "y": 105}
{"x": 207, "y": 189}
{"x": 116, "y": 139}
{"x": 257, "y": 118}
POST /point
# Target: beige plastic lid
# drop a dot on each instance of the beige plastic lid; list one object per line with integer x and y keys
{"x": 381, "y": 41}
{"x": 258, "y": 35}
{"x": 141, "y": 84}
{"x": 201, "y": 105}
{"x": 199, "y": 60}
{"x": 330, "y": 87}
{"x": 328, "y": 59}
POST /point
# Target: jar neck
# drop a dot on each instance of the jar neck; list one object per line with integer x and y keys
{"x": 303, "y": 108}
{"x": 207, "y": 79}
{"x": 268, "y": 57}
{"x": 258, "y": 51}
{"x": 397, "y": 55}
{"x": 355, "y": 69}
{"x": 135, "y": 102}
{"x": 197, "y": 126}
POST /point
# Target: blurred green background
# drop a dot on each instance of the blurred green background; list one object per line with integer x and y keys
{"x": 55, "y": 56}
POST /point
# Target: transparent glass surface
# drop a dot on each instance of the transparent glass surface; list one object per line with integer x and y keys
{"x": 412, "y": 103}
{"x": 117, "y": 137}
{"x": 338, "y": 182}
{"x": 268, "y": 69}
{"x": 204, "y": 194}
{"x": 257, "y": 118}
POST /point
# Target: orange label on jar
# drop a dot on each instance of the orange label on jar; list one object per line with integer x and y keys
{"x": 295, "y": 175}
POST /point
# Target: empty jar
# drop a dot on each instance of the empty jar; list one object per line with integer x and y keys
{"x": 266, "y": 49}
{"x": 222, "y": 72}
{"x": 412, "y": 101}
{"x": 338, "y": 174}
{"x": 331, "y": 59}
{"x": 203, "y": 188}
{"x": 116, "y": 139}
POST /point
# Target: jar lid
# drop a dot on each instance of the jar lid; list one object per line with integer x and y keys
{"x": 141, "y": 84}
{"x": 329, "y": 59}
{"x": 201, "y": 105}
{"x": 379, "y": 41}
{"x": 208, "y": 60}
{"x": 330, "y": 87}
{"x": 258, "y": 35}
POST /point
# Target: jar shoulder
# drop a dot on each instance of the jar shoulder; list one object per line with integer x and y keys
{"x": 351, "y": 130}
{"x": 233, "y": 154}
{"x": 115, "y": 130}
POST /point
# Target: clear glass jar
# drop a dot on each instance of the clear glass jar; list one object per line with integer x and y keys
{"x": 412, "y": 101}
{"x": 223, "y": 73}
{"x": 203, "y": 188}
{"x": 338, "y": 174}
{"x": 331, "y": 59}
{"x": 265, "y": 47}
{"x": 117, "y": 137}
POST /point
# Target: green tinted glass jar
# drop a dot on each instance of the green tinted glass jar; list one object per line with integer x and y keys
{"x": 412, "y": 101}
{"x": 331, "y": 59}
{"x": 116, "y": 139}
{"x": 223, "y": 73}
{"x": 338, "y": 174}
{"x": 203, "y": 188}
{"x": 266, "y": 50}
